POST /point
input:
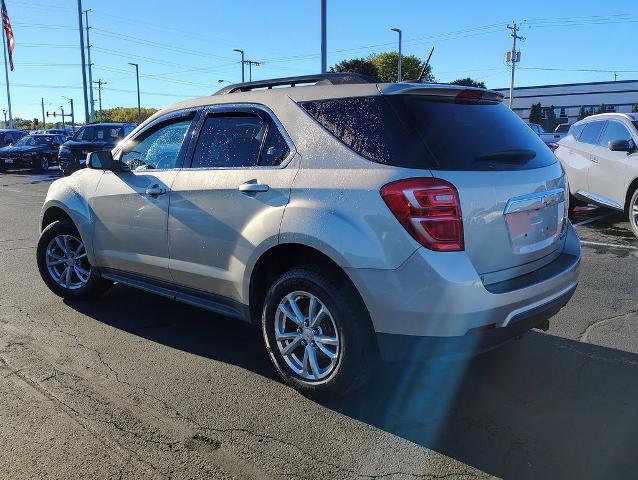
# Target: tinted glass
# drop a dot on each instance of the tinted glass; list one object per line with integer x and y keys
{"x": 99, "y": 133}
{"x": 157, "y": 148}
{"x": 33, "y": 140}
{"x": 418, "y": 132}
{"x": 576, "y": 130}
{"x": 614, "y": 131}
{"x": 232, "y": 140}
{"x": 275, "y": 148}
{"x": 591, "y": 131}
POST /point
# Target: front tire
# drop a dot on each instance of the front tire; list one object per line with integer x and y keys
{"x": 64, "y": 265}
{"x": 41, "y": 164}
{"x": 632, "y": 213}
{"x": 318, "y": 333}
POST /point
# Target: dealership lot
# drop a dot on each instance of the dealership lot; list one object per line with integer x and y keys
{"x": 137, "y": 386}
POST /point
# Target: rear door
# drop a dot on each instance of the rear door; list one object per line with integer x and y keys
{"x": 131, "y": 207}
{"x": 607, "y": 175}
{"x": 230, "y": 200}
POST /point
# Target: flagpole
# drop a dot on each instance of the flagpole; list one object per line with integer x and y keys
{"x": 6, "y": 74}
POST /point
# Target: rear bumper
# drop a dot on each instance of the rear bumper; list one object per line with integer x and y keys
{"x": 436, "y": 294}
{"x": 414, "y": 348}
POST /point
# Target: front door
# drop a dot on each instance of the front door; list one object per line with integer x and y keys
{"x": 231, "y": 200}
{"x": 607, "y": 175}
{"x": 131, "y": 206}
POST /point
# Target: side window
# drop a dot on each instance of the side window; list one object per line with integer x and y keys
{"x": 275, "y": 148}
{"x": 614, "y": 131}
{"x": 575, "y": 130}
{"x": 229, "y": 140}
{"x": 591, "y": 132}
{"x": 157, "y": 148}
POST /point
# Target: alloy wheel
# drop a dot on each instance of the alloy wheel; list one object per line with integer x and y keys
{"x": 67, "y": 262}
{"x": 44, "y": 163}
{"x": 307, "y": 336}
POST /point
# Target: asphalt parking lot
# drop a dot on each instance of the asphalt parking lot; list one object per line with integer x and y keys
{"x": 136, "y": 386}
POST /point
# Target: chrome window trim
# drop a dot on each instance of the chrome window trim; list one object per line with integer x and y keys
{"x": 241, "y": 107}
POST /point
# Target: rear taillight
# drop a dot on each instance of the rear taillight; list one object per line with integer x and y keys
{"x": 552, "y": 146}
{"x": 429, "y": 209}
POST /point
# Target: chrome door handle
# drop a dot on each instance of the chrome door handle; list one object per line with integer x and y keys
{"x": 253, "y": 187}
{"x": 155, "y": 190}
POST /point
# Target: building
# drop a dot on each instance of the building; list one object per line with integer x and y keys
{"x": 619, "y": 96}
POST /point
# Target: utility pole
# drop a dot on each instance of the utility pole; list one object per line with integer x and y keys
{"x": 243, "y": 62}
{"x": 5, "y": 118}
{"x": 250, "y": 64}
{"x": 44, "y": 123}
{"x": 139, "y": 108}
{"x": 100, "y": 83}
{"x": 63, "y": 115}
{"x": 399, "y": 76}
{"x": 324, "y": 41}
{"x": 90, "y": 83}
{"x": 86, "y": 98}
{"x": 513, "y": 57}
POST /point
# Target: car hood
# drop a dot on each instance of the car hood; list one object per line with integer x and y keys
{"x": 22, "y": 149}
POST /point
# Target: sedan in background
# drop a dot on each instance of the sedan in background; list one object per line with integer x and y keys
{"x": 91, "y": 138}
{"x": 9, "y": 136}
{"x": 37, "y": 152}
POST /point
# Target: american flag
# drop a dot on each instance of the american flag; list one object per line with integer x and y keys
{"x": 6, "y": 23}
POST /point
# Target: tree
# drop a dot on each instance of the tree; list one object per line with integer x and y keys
{"x": 123, "y": 114}
{"x": 356, "y": 65}
{"x": 583, "y": 113}
{"x": 386, "y": 65}
{"x": 468, "y": 82}
{"x": 536, "y": 113}
{"x": 602, "y": 108}
{"x": 551, "y": 121}
{"x": 635, "y": 109}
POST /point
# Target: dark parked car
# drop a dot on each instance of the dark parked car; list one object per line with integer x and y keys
{"x": 31, "y": 151}
{"x": 91, "y": 138}
{"x": 8, "y": 136}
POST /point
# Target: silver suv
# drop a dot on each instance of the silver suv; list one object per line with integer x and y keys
{"x": 351, "y": 220}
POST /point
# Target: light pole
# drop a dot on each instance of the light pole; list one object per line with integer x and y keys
{"x": 242, "y": 63}
{"x": 324, "y": 41}
{"x": 398, "y": 30}
{"x": 137, "y": 76}
{"x": 5, "y": 118}
{"x": 72, "y": 113}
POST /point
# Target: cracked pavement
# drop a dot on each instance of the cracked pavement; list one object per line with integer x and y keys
{"x": 136, "y": 386}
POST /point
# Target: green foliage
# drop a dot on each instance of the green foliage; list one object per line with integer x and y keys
{"x": 602, "y": 108}
{"x": 635, "y": 109}
{"x": 583, "y": 113}
{"x": 549, "y": 124}
{"x": 387, "y": 67}
{"x": 123, "y": 114}
{"x": 356, "y": 65}
{"x": 468, "y": 82}
{"x": 384, "y": 67}
{"x": 536, "y": 113}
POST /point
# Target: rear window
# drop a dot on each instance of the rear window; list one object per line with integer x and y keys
{"x": 418, "y": 132}
{"x": 100, "y": 133}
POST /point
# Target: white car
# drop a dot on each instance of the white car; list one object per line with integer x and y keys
{"x": 600, "y": 157}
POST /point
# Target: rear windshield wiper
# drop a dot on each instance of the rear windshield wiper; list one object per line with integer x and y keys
{"x": 507, "y": 156}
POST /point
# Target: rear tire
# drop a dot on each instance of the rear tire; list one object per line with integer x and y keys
{"x": 341, "y": 343}
{"x": 632, "y": 213}
{"x": 64, "y": 266}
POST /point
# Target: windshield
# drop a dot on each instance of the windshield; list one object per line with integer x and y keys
{"x": 99, "y": 133}
{"x": 33, "y": 141}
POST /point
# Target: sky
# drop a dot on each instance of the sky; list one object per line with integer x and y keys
{"x": 185, "y": 48}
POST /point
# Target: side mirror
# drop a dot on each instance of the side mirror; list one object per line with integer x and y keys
{"x": 621, "y": 146}
{"x": 102, "y": 160}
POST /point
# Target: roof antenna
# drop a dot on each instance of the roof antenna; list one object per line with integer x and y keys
{"x": 425, "y": 67}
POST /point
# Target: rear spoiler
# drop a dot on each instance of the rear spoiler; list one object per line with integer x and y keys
{"x": 440, "y": 90}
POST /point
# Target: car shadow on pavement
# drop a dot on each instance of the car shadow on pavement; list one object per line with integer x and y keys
{"x": 540, "y": 407}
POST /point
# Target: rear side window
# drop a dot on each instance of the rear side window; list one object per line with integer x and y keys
{"x": 418, "y": 132}
{"x": 591, "y": 132}
{"x": 275, "y": 149}
{"x": 576, "y": 130}
{"x": 229, "y": 140}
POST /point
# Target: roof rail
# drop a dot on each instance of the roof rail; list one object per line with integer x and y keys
{"x": 319, "y": 79}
